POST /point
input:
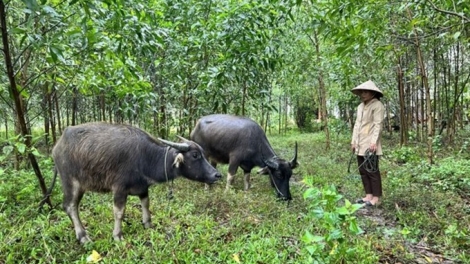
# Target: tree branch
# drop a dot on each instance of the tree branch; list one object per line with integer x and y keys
{"x": 466, "y": 19}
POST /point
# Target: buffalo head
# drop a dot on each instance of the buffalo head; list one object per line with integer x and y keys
{"x": 191, "y": 163}
{"x": 280, "y": 172}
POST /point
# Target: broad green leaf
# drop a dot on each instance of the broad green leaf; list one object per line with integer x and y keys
{"x": 31, "y": 4}
{"x": 354, "y": 228}
{"x": 342, "y": 210}
{"x": 21, "y": 147}
{"x": 18, "y": 30}
{"x": 7, "y": 149}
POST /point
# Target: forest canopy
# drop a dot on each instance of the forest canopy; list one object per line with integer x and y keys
{"x": 163, "y": 64}
{"x": 290, "y": 65}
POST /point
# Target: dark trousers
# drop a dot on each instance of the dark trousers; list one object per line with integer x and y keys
{"x": 371, "y": 181}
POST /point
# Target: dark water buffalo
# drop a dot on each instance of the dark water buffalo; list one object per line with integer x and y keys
{"x": 241, "y": 142}
{"x": 124, "y": 160}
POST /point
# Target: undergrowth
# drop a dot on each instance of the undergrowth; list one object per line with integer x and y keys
{"x": 424, "y": 215}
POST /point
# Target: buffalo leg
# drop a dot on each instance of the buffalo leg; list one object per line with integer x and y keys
{"x": 247, "y": 181}
{"x": 146, "y": 218}
{"x": 119, "y": 208}
{"x": 72, "y": 196}
{"x": 232, "y": 171}
{"x": 230, "y": 180}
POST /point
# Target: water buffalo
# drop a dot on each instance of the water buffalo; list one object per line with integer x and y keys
{"x": 124, "y": 160}
{"x": 241, "y": 142}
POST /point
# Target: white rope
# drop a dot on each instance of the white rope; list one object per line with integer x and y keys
{"x": 170, "y": 191}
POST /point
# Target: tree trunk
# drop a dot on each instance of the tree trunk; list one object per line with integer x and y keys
{"x": 322, "y": 93}
{"x": 102, "y": 106}
{"x": 401, "y": 94}
{"x": 57, "y": 114}
{"x": 50, "y": 107}
{"x": 427, "y": 94}
{"x": 244, "y": 99}
{"x": 46, "y": 116}
{"x": 74, "y": 105}
{"x": 18, "y": 103}
{"x": 286, "y": 113}
{"x": 6, "y": 125}
{"x": 280, "y": 115}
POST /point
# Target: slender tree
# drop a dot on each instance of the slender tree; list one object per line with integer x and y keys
{"x": 18, "y": 101}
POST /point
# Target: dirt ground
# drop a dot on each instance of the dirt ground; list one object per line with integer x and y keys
{"x": 424, "y": 254}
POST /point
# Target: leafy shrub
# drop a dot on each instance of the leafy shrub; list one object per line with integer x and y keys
{"x": 449, "y": 175}
{"x": 404, "y": 155}
{"x": 335, "y": 237}
{"x": 338, "y": 126}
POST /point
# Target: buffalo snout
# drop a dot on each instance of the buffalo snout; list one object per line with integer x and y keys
{"x": 214, "y": 177}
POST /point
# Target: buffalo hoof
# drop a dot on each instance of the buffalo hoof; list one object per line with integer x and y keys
{"x": 84, "y": 239}
{"x": 148, "y": 225}
{"x": 118, "y": 237}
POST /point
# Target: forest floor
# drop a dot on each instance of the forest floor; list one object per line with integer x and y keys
{"x": 419, "y": 221}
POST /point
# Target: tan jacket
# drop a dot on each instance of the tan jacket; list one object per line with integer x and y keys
{"x": 368, "y": 126}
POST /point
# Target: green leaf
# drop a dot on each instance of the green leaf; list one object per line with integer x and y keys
{"x": 310, "y": 193}
{"x": 307, "y": 237}
{"x": 18, "y": 30}
{"x": 31, "y": 4}
{"x": 335, "y": 234}
{"x": 56, "y": 53}
{"x": 354, "y": 228}
{"x": 316, "y": 239}
{"x": 53, "y": 53}
{"x": 21, "y": 147}
{"x": 7, "y": 150}
{"x": 36, "y": 152}
{"x": 342, "y": 210}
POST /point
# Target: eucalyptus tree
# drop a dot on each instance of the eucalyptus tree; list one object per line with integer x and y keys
{"x": 297, "y": 77}
{"x": 401, "y": 47}
{"x": 46, "y": 55}
{"x": 432, "y": 55}
{"x": 17, "y": 56}
{"x": 449, "y": 33}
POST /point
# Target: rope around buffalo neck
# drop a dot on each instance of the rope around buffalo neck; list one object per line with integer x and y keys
{"x": 170, "y": 188}
{"x": 274, "y": 183}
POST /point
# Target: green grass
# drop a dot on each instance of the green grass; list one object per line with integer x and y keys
{"x": 416, "y": 222}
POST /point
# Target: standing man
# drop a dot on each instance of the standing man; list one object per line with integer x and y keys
{"x": 365, "y": 141}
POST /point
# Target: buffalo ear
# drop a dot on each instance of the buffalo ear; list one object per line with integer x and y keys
{"x": 264, "y": 170}
{"x": 272, "y": 163}
{"x": 179, "y": 159}
{"x": 294, "y": 165}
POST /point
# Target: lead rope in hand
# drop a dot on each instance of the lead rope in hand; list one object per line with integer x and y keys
{"x": 370, "y": 162}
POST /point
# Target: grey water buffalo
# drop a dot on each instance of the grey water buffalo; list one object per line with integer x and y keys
{"x": 241, "y": 142}
{"x": 124, "y": 160}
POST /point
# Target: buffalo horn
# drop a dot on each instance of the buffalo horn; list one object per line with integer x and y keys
{"x": 293, "y": 162}
{"x": 178, "y": 146}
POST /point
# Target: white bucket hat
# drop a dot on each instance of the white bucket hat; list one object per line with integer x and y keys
{"x": 369, "y": 85}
